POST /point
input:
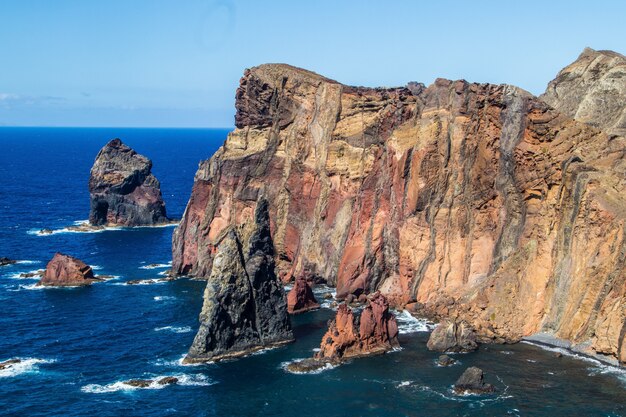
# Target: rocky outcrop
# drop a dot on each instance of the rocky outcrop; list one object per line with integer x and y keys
{"x": 123, "y": 190}
{"x": 450, "y": 336}
{"x": 472, "y": 382}
{"x": 67, "y": 271}
{"x": 376, "y": 331}
{"x": 445, "y": 360}
{"x": 244, "y": 302}
{"x": 592, "y": 90}
{"x": 7, "y": 261}
{"x": 348, "y": 336}
{"x": 477, "y": 202}
{"x": 301, "y": 297}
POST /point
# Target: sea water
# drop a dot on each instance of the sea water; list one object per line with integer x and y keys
{"x": 78, "y": 345}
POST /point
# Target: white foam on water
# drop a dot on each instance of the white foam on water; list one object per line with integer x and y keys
{"x": 163, "y": 273}
{"x": 599, "y": 367}
{"x": 163, "y": 298}
{"x": 16, "y": 275}
{"x": 156, "y": 266}
{"x": 26, "y": 365}
{"x": 404, "y": 384}
{"x": 407, "y": 323}
{"x": 183, "y": 379}
{"x": 27, "y": 262}
{"x": 96, "y": 267}
{"x": 80, "y": 223}
{"x": 327, "y": 366}
{"x": 174, "y": 329}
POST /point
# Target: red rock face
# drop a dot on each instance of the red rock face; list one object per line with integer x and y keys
{"x": 301, "y": 297}
{"x": 376, "y": 333}
{"x": 67, "y": 271}
{"x": 471, "y": 201}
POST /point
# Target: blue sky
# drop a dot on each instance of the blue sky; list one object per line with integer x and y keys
{"x": 167, "y": 63}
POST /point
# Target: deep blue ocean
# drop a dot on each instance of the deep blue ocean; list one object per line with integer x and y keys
{"x": 77, "y": 345}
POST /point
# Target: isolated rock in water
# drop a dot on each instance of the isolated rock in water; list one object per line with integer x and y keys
{"x": 592, "y": 90}
{"x": 479, "y": 194}
{"x": 9, "y": 363}
{"x": 67, "y": 271}
{"x": 301, "y": 297}
{"x": 376, "y": 331}
{"x": 139, "y": 383}
{"x": 450, "y": 336}
{"x": 168, "y": 380}
{"x": 445, "y": 360}
{"x": 6, "y": 261}
{"x": 472, "y": 381}
{"x": 123, "y": 191}
{"x": 244, "y": 302}
{"x": 39, "y": 274}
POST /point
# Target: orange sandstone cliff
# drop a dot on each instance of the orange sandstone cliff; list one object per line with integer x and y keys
{"x": 463, "y": 200}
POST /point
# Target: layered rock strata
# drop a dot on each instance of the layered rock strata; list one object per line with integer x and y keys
{"x": 301, "y": 298}
{"x": 67, "y": 271}
{"x": 592, "y": 90}
{"x": 477, "y": 202}
{"x": 244, "y": 302}
{"x": 122, "y": 189}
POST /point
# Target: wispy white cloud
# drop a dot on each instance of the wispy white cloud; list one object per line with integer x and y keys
{"x": 13, "y": 100}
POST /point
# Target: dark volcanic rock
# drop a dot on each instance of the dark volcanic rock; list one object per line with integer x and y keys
{"x": 139, "y": 383}
{"x": 67, "y": 271}
{"x": 244, "y": 303}
{"x": 6, "y": 261}
{"x": 168, "y": 380}
{"x": 301, "y": 297}
{"x": 451, "y": 336}
{"x": 39, "y": 273}
{"x": 123, "y": 190}
{"x": 8, "y": 363}
{"x": 445, "y": 360}
{"x": 472, "y": 381}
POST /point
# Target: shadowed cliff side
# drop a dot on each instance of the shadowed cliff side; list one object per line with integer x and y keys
{"x": 470, "y": 201}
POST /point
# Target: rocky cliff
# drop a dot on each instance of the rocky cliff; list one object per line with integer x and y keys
{"x": 592, "y": 90}
{"x": 472, "y": 201}
{"x": 244, "y": 303}
{"x": 123, "y": 190}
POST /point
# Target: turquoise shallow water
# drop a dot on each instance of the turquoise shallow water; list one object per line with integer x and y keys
{"x": 78, "y": 344}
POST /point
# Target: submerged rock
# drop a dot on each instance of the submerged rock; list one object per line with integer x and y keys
{"x": 123, "y": 190}
{"x": 168, "y": 380}
{"x": 451, "y": 336}
{"x": 445, "y": 360}
{"x": 67, "y": 271}
{"x": 244, "y": 302}
{"x": 34, "y": 274}
{"x": 9, "y": 363}
{"x": 6, "y": 261}
{"x": 472, "y": 381}
{"x": 301, "y": 297}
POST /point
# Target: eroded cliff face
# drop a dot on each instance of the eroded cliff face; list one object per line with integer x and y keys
{"x": 470, "y": 201}
{"x": 592, "y": 90}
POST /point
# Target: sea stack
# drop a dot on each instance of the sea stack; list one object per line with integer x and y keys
{"x": 301, "y": 298}
{"x": 67, "y": 271}
{"x": 123, "y": 190}
{"x": 244, "y": 302}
